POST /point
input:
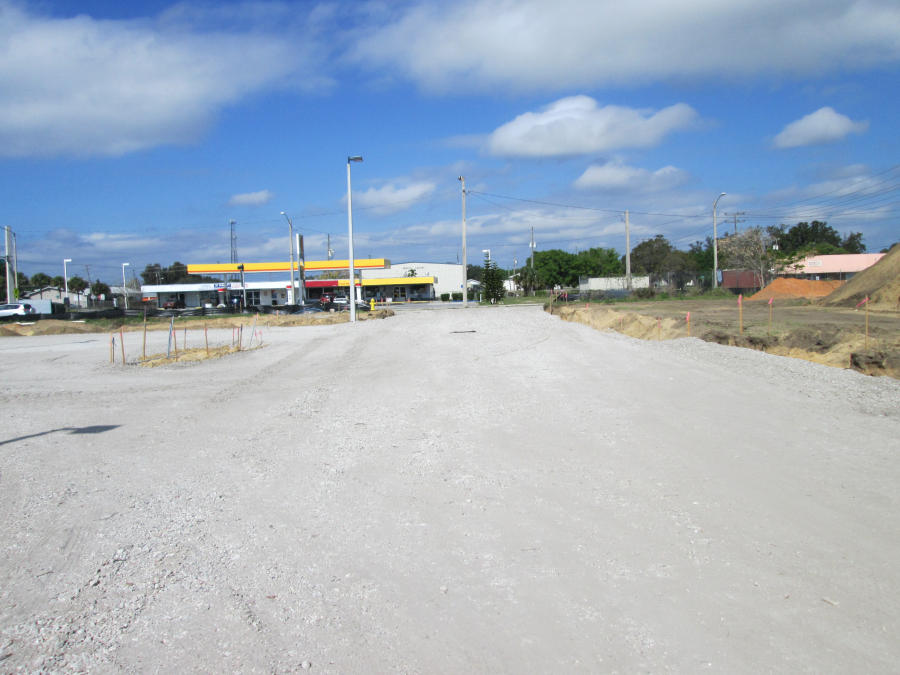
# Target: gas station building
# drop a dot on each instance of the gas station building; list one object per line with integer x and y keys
{"x": 376, "y": 279}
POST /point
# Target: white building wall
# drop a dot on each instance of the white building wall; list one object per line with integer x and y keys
{"x": 613, "y": 283}
{"x": 449, "y": 276}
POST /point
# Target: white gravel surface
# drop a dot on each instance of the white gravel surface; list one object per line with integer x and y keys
{"x": 481, "y": 490}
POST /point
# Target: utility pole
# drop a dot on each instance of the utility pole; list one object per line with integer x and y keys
{"x": 243, "y": 287}
{"x": 531, "y": 246}
{"x": 15, "y": 267}
{"x": 234, "y": 253}
{"x": 515, "y": 264}
{"x": 735, "y": 216}
{"x": 6, "y": 262}
{"x": 293, "y": 298}
{"x": 302, "y": 262}
{"x": 465, "y": 269}
{"x": 715, "y": 279}
{"x": 627, "y": 252}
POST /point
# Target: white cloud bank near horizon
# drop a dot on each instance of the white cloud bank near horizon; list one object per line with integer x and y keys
{"x": 392, "y": 199}
{"x": 825, "y": 125}
{"x": 578, "y": 125}
{"x": 618, "y": 177}
{"x": 533, "y": 45}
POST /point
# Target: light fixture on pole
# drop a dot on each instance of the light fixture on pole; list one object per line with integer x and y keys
{"x": 715, "y": 279}
{"x": 124, "y": 288}
{"x": 66, "y": 276}
{"x": 352, "y": 298}
{"x": 293, "y": 299}
{"x": 488, "y": 251}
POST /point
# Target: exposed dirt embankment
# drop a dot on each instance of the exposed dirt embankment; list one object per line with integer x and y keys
{"x": 57, "y": 327}
{"x": 841, "y": 345}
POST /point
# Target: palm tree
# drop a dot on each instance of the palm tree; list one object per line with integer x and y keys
{"x": 527, "y": 279}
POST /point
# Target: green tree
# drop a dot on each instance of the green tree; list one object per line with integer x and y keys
{"x": 492, "y": 281}
{"x": 815, "y": 238}
{"x": 526, "y": 277}
{"x": 649, "y": 257}
{"x": 152, "y": 275}
{"x": 176, "y": 273}
{"x": 17, "y": 289}
{"x": 554, "y": 268}
{"x": 40, "y": 280}
{"x": 77, "y": 284}
{"x": 474, "y": 272}
{"x": 853, "y": 243}
{"x": 98, "y": 288}
{"x": 679, "y": 268}
{"x": 410, "y": 272}
{"x": 58, "y": 283}
{"x": 597, "y": 262}
{"x": 701, "y": 253}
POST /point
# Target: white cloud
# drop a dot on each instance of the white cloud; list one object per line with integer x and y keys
{"x": 619, "y": 177}
{"x": 822, "y": 126}
{"x": 114, "y": 242}
{"x": 251, "y": 198}
{"x": 79, "y": 86}
{"x": 576, "y": 125}
{"x": 392, "y": 199}
{"x": 537, "y": 45}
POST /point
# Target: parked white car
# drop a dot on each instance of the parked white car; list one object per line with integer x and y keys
{"x": 17, "y": 309}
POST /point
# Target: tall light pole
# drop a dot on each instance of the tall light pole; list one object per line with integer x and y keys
{"x": 465, "y": 267}
{"x": 124, "y": 288}
{"x": 352, "y": 299}
{"x": 291, "y": 242}
{"x": 716, "y": 244}
{"x": 488, "y": 251}
{"x": 66, "y": 275}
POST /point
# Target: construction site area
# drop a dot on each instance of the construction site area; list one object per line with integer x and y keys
{"x": 487, "y": 489}
{"x": 853, "y": 324}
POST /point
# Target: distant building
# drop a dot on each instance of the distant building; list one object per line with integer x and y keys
{"x": 741, "y": 281}
{"x": 55, "y": 294}
{"x": 841, "y": 266}
{"x": 401, "y": 282}
{"x": 613, "y": 284}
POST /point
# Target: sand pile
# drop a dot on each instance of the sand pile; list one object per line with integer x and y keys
{"x": 784, "y": 287}
{"x": 881, "y": 282}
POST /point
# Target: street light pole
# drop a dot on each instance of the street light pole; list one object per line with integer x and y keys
{"x": 465, "y": 267}
{"x": 291, "y": 241}
{"x": 715, "y": 279}
{"x": 488, "y": 251}
{"x": 243, "y": 287}
{"x": 352, "y": 299}
{"x": 124, "y": 288}
{"x": 66, "y": 275}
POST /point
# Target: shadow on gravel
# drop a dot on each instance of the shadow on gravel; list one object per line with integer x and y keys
{"x": 94, "y": 429}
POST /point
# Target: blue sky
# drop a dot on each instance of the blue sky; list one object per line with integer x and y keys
{"x": 134, "y": 132}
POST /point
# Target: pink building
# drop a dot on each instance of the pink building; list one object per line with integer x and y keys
{"x": 841, "y": 266}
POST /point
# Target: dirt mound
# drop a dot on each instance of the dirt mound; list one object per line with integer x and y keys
{"x": 45, "y": 327}
{"x": 836, "y": 346}
{"x": 881, "y": 282}
{"x": 57, "y": 327}
{"x": 783, "y": 287}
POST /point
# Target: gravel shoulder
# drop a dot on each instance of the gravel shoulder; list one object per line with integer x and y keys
{"x": 484, "y": 489}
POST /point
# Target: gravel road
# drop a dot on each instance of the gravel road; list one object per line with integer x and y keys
{"x": 479, "y": 490}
